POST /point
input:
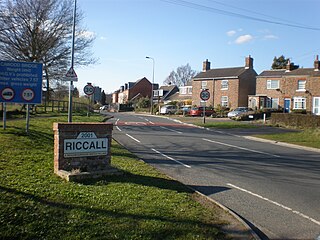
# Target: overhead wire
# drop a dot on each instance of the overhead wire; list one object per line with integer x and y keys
{"x": 238, "y": 15}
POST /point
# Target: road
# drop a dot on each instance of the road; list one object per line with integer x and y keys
{"x": 274, "y": 188}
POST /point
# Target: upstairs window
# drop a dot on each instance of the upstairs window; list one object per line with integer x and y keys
{"x": 224, "y": 85}
{"x": 301, "y": 85}
{"x": 203, "y": 84}
{"x": 273, "y": 84}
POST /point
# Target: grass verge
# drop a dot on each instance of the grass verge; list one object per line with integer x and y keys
{"x": 308, "y": 137}
{"x": 140, "y": 204}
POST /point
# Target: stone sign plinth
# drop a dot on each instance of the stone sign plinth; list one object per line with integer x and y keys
{"x": 82, "y": 150}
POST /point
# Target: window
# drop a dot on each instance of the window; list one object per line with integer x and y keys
{"x": 272, "y": 103}
{"x": 204, "y": 85}
{"x": 224, "y": 84}
{"x": 301, "y": 85}
{"x": 272, "y": 84}
{"x": 185, "y": 90}
{"x": 299, "y": 103}
{"x": 224, "y": 101}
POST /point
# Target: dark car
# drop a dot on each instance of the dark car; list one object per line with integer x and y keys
{"x": 198, "y": 111}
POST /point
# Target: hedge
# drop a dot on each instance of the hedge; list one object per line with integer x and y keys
{"x": 295, "y": 120}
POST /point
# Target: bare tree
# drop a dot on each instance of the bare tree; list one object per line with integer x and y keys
{"x": 181, "y": 77}
{"x": 41, "y": 31}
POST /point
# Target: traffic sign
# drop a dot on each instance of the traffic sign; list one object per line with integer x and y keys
{"x": 205, "y": 95}
{"x": 20, "y": 82}
{"x": 71, "y": 75}
{"x": 88, "y": 89}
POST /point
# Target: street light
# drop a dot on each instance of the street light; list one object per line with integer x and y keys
{"x": 152, "y": 83}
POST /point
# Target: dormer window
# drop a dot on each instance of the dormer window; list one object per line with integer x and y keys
{"x": 224, "y": 85}
{"x": 301, "y": 85}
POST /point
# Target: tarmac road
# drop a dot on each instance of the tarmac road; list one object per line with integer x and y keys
{"x": 275, "y": 188}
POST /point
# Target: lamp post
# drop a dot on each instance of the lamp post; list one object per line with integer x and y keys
{"x": 152, "y": 83}
{"x": 72, "y": 63}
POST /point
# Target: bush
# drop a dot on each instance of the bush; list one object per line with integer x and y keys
{"x": 295, "y": 120}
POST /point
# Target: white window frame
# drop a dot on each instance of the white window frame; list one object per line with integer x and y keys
{"x": 224, "y": 85}
{"x": 224, "y": 101}
{"x": 204, "y": 84}
{"x": 301, "y": 85}
{"x": 299, "y": 103}
{"x": 273, "y": 84}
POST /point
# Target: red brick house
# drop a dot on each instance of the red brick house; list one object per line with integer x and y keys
{"x": 134, "y": 90}
{"x": 290, "y": 89}
{"x": 228, "y": 87}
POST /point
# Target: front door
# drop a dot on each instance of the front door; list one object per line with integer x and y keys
{"x": 287, "y": 103}
{"x": 316, "y": 106}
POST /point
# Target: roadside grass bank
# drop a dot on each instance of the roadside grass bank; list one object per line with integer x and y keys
{"x": 307, "y": 137}
{"x": 304, "y": 137}
{"x": 140, "y": 204}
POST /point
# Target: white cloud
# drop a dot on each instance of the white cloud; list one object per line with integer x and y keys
{"x": 270, "y": 36}
{"x": 87, "y": 34}
{"x": 231, "y": 33}
{"x": 103, "y": 38}
{"x": 244, "y": 39}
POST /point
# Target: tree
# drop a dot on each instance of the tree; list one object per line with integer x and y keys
{"x": 41, "y": 31}
{"x": 181, "y": 77}
{"x": 103, "y": 98}
{"x": 280, "y": 62}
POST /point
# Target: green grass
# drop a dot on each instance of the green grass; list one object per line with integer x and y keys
{"x": 308, "y": 137}
{"x": 225, "y": 125}
{"x": 140, "y": 204}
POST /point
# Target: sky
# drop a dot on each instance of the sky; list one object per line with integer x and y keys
{"x": 179, "y": 32}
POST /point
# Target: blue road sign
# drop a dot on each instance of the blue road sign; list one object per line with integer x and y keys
{"x": 20, "y": 82}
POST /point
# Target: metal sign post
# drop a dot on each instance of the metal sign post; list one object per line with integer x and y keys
{"x": 204, "y": 95}
{"x": 4, "y": 112}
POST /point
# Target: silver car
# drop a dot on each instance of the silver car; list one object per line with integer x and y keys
{"x": 168, "y": 109}
{"x": 238, "y": 111}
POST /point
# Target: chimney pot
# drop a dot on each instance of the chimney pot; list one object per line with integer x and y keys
{"x": 317, "y": 63}
{"x": 249, "y": 62}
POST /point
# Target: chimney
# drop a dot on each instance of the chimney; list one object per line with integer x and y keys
{"x": 290, "y": 66}
{"x": 249, "y": 62}
{"x": 206, "y": 66}
{"x": 317, "y": 64}
{"x": 125, "y": 86}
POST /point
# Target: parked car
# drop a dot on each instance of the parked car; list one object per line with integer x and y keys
{"x": 198, "y": 111}
{"x": 168, "y": 109}
{"x": 238, "y": 111}
{"x": 104, "y": 107}
{"x": 186, "y": 109}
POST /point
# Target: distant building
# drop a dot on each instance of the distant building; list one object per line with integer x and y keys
{"x": 97, "y": 94}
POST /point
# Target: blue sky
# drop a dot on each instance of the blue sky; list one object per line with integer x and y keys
{"x": 127, "y": 31}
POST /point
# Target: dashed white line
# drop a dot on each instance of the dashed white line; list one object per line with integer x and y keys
{"x": 118, "y": 128}
{"x": 171, "y": 130}
{"x": 241, "y": 148}
{"x": 170, "y": 158}
{"x": 275, "y": 203}
{"x": 133, "y": 138}
{"x": 149, "y": 121}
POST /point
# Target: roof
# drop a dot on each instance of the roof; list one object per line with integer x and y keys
{"x": 233, "y": 72}
{"x": 295, "y": 72}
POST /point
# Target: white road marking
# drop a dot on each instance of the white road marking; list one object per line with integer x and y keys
{"x": 118, "y": 128}
{"x": 116, "y": 123}
{"x": 149, "y": 121}
{"x": 170, "y": 158}
{"x": 242, "y": 148}
{"x": 133, "y": 138}
{"x": 171, "y": 130}
{"x": 275, "y": 203}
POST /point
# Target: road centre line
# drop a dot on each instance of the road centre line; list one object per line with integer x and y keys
{"x": 133, "y": 138}
{"x": 275, "y": 203}
{"x": 170, "y": 158}
{"x": 171, "y": 130}
{"x": 241, "y": 148}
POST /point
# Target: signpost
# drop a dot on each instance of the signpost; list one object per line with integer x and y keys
{"x": 20, "y": 82}
{"x": 205, "y": 96}
{"x": 88, "y": 90}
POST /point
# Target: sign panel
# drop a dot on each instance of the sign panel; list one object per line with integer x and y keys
{"x": 20, "y": 82}
{"x": 71, "y": 75}
{"x": 86, "y": 144}
{"x": 205, "y": 95}
{"x": 88, "y": 89}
